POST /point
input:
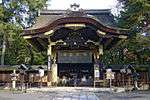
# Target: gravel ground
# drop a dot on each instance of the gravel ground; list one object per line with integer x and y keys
{"x": 76, "y": 95}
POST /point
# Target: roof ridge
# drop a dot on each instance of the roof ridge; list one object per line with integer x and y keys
{"x": 67, "y": 9}
{"x": 56, "y": 11}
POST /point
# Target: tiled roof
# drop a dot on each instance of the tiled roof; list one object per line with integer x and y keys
{"x": 48, "y": 16}
{"x": 43, "y": 20}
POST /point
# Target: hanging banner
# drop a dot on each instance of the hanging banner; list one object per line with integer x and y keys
{"x": 96, "y": 73}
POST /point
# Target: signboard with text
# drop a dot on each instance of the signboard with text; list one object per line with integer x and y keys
{"x": 110, "y": 75}
{"x": 75, "y": 56}
{"x": 96, "y": 73}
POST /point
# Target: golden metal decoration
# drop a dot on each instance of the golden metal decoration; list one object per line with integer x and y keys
{"x": 49, "y": 32}
{"x": 100, "y": 32}
{"x": 122, "y": 36}
{"x": 27, "y": 37}
{"x": 75, "y": 25}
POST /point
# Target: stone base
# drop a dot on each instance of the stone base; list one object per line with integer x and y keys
{"x": 144, "y": 87}
{"x": 54, "y": 84}
{"x": 54, "y": 73}
{"x": 49, "y": 84}
{"x": 49, "y": 74}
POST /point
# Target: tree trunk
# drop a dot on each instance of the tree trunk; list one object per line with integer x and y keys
{"x": 3, "y": 51}
{"x": 31, "y": 55}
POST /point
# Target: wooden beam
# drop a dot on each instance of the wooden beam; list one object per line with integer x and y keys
{"x": 123, "y": 37}
{"x": 108, "y": 42}
{"x": 42, "y": 42}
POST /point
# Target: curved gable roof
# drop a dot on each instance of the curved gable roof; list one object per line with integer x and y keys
{"x": 66, "y": 20}
{"x": 49, "y": 19}
{"x": 47, "y": 16}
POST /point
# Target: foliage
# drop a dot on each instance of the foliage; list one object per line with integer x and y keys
{"x": 23, "y": 12}
{"x": 135, "y": 15}
{"x": 15, "y": 15}
{"x": 134, "y": 50}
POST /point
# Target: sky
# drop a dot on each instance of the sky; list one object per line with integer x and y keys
{"x": 84, "y": 4}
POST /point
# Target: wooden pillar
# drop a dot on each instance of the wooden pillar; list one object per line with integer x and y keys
{"x": 49, "y": 51}
{"x": 100, "y": 53}
{"x": 54, "y": 67}
{"x": 100, "y": 50}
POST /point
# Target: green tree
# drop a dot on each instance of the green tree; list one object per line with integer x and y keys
{"x": 6, "y": 32}
{"x": 14, "y": 49}
{"x": 135, "y": 15}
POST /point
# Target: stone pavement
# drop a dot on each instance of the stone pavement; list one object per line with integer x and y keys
{"x": 64, "y": 89}
{"x": 69, "y": 93}
{"x": 66, "y": 94}
{"x": 73, "y": 93}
